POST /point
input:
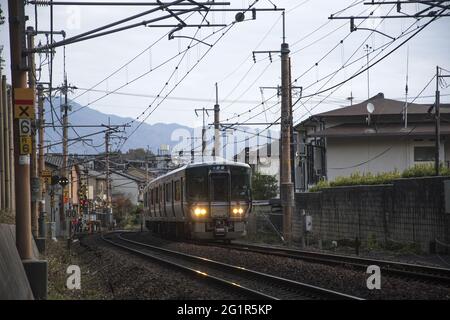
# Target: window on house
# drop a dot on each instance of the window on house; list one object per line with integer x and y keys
{"x": 424, "y": 154}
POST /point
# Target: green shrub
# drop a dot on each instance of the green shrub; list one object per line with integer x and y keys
{"x": 424, "y": 170}
{"x": 356, "y": 178}
{"x": 322, "y": 184}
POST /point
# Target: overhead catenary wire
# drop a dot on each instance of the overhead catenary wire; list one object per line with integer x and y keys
{"x": 364, "y": 69}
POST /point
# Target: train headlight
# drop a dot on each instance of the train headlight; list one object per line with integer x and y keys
{"x": 200, "y": 212}
{"x": 238, "y": 211}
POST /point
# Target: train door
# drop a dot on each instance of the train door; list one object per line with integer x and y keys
{"x": 219, "y": 182}
{"x": 182, "y": 195}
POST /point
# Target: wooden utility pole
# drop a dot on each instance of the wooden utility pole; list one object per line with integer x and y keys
{"x": 287, "y": 187}
{"x": 34, "y": 180}
{"x": 21, "y": 161}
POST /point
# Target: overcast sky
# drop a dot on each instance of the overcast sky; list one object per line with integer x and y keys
{"x": 229, "y": 62}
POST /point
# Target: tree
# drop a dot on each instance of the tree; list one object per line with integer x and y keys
{"x": 264, "y": 186}
{"x": 122, "y": 206}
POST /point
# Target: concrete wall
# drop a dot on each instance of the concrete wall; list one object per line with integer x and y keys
{"x": 14, "y": 283}
{"x": 347, "y": 155}
{"x": 407, "y": 211}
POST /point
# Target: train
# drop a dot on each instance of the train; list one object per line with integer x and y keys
{"x": 209, "y": 200}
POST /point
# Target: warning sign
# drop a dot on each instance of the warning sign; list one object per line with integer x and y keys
{"x": 24, "y": 103}
{"x": 46, "y": 173}
{"x": 25, "y": 145}
{"x": 25, "y": 127}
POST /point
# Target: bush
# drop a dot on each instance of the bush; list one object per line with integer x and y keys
{"x": 356, "y": 178}
{"x": 322, "y": 184}
{"x": 264, "y": 186}
{"x": 424, "y": 170}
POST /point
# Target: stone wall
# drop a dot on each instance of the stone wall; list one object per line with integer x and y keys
{"x": 408, "y": 211}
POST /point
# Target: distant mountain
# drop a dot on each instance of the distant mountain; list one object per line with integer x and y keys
{"x": 151, "y": 136}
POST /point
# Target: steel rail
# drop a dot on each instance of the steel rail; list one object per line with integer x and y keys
{"x": 290, "y": 287}
{"x": 415, "y": 271}
{"x": 250, "y": 293}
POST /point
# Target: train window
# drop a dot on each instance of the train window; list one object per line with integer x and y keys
{"x": 240, "y": 183}
{"x": 177, "y": 190}
{"x": 219, "y": 187}
{"x": 168, "y": 192}
{"x": 157, "y": 195}
{"x": 151, "y": 197}
{"x": 197, "y": 184}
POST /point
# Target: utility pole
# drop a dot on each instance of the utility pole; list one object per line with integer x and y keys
{"x": 367, "y": 49}
{"x": 438, "y": 125}
{"x": 437, "y": 110}
{"x": 217, "y": 147}
{"x": 11, "y": 173}
{"x": 41, "y": 160}
{"x": 203, "y": 110}
{"x": 34, "y": 180}
{"x": 21, "y": 161}
{"x": 108, "y": 185}
{"x": 287, "y": 187}
{"x": 3, "y": 114}
{"x": 64, "y": 169}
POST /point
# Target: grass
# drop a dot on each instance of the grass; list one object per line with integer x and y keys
{"x": 7, "y": 217}
{"x": 58, "y": 259}
{"x": 356, "y": 178}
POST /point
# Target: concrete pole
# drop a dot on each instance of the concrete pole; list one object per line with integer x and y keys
{"x": 64, "y": 169}
{"x": 107, "y": 169}
{"x": 217, "y": 144}
{"x": 438, "y": 126}
{"x": 287, "y": 190}
{"x": 22, "y": 162}
{"x": 34, "y": 180}
{"x": 41, "y": 161}
{"x": 3, "y": 115}
{"x": 11, "y": 173}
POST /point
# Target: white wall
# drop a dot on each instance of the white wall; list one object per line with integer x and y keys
{"x": 348, "y": 155}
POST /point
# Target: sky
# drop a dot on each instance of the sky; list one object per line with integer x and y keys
{"x": 225, "y": 57}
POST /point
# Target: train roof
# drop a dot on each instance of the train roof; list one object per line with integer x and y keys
{"x": 208, "y": 162}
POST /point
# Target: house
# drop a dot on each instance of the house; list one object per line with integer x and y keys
{"x": 264, "y": 159}
{"x": 127, "y": 185}
{"x": 377, "y": 135}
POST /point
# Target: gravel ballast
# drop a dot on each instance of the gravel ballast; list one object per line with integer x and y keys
{"x": 115, "y": 274}
{"x": 337, "y": 278}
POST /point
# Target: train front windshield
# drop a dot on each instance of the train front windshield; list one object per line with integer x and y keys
{"x": 219, "y": 186}
{"x": 240, "y": 183}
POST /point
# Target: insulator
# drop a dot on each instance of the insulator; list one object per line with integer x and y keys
{"x": 42, "y": 3}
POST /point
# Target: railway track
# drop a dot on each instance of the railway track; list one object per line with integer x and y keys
{"x": 248, "y": 283}
{"x": 398, "y": 269}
